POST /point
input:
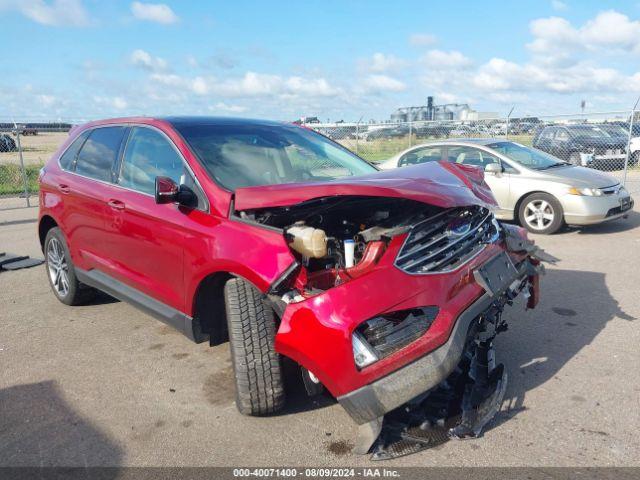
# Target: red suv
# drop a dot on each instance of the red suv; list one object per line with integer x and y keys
{"x": 269, "y": 235}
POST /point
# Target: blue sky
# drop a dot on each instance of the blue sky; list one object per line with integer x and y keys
{"x": 335, "y": 59}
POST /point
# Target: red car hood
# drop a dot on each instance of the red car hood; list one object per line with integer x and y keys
{"x": 442, "y": 184}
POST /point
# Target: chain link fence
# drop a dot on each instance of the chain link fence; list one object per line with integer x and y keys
{"x": 24, "y": 148}
{"x": 609, "y": 142}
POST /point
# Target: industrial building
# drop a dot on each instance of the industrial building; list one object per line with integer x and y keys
{"x": 448, "y": 111}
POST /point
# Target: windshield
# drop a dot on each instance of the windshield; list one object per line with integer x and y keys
{"x": 526, "y": 156}
{"x": 615, "y": 130}
{"x": 250, "y": 155}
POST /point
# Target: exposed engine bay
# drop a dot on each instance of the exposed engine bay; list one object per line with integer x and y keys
{"x": 340, "y": 237}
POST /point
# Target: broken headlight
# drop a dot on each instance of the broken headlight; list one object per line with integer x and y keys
{"x": 385, "y": 334}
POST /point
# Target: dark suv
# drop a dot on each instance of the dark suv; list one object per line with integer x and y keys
{"x": 582, "y": 145}
{"x": 377, "y": 284}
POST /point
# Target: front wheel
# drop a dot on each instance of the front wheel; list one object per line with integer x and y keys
{"x": 256, "y": 364}
{"x": 541, "y": 213}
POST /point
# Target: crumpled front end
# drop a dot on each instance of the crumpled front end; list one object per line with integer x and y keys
{"x": 388, "y": 294}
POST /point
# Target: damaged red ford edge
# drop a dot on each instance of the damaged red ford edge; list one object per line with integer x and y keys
{"x": 386, "y": 288}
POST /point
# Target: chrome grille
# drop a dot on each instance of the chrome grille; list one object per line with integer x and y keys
{"x": 447, "y": 241}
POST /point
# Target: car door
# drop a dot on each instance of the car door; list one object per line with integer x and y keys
{"x": 89, "y": 163}
{"x": 146, "y": 239}
{"x": 477, "y": 157}
{"x": 421, "y": 155}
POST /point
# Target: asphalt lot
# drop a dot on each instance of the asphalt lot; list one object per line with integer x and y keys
{"x": 104, "y": 384}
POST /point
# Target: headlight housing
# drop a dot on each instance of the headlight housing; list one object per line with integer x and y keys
{"x": 586, "y": 191}
{"x": 385, "y": 334}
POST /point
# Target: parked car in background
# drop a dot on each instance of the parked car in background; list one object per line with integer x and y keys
{"x": 7, "y": 144}
{"x": 538, "y": 190}
{"x": 621, "y": 131}
{"x": 582, "y": 145}
{"x": 282, "y": 240}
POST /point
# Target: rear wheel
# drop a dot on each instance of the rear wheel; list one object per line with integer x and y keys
{"x": 256, "y": 365}
{"x": 541, "y": 213}
{"x": 61, "y": 273}
{"x": 635, "y": 158}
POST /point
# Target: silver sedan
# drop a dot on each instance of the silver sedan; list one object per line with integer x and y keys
{"x": 534, "y": 188}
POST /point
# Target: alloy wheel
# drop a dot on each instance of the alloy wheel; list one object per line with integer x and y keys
{"x": 57, "y": 267}
{"x": 538, "y": 214}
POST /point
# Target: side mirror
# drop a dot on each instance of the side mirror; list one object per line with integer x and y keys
{"x": 166, "y": 190}
{"x": 494, "y": 168}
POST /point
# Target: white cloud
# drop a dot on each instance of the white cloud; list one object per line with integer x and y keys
{"x": 223, "y": 107}
{"x": 559, "y": 5}
{"x": 47, "y": 100}
{"x": 117, "y": 102}
{"x": 382, "y": 83}
{"x": 154, "y": 12}
{"x": 607, "y": 32}
{"x": 441, "y": 60}
{"x": 58, "y": 13}
{"x": 146, "y": 61}
{"x": 380, "y": 62}
{"x": 422, "y": 39}
{"x": 251, "y": 84}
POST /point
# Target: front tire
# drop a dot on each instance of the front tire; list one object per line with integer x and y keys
{"x": 256, "y": 365}
{"x": 541, "y": 213}
{"x": 61, "y": 272}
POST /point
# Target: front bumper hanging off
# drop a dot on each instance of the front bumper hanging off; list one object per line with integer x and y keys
{"x": 454, "y": 391}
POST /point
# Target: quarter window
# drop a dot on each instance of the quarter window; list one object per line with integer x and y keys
{"x": 68, "y": 158}
{"x": 99, "y": 153}
{"x": 149, "y": 155}
{"x": 421, "y": 155}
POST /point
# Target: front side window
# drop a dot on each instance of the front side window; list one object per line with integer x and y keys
{"x": 99, "y": 152}
{"x": 562, "y": 135}
{"x": 250, "y": 155}
{"x": 149, "y": 155}
{"x": 421, "y": 155}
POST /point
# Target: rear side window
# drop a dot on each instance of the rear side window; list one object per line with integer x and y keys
{"x": 69, "y": 157}
{"x": 99, "y": 153}
{"x": 422, "y": 155}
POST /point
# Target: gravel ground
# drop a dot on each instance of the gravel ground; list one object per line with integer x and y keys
{"x": 104, "y": 384}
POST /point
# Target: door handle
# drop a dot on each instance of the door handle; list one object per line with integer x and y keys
{"x": 63, "y": 188}
{"x": 117, "y": 204}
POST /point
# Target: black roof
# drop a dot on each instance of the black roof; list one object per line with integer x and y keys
{"x": 204, "y": 120}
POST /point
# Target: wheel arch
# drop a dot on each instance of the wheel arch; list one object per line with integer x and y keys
{"x": 46, "y": 223}
{"x": 516, "y": 210}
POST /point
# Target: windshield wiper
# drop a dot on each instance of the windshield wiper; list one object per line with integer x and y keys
{"x": 554, "y": 165}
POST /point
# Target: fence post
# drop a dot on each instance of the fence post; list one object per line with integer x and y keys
{"x": 357, "y": 134}
{"x": 626, "y": 159}
{"x": 410, "y": 132}
{"x": 22, "y": 169}
{"x": 506, "y": 133}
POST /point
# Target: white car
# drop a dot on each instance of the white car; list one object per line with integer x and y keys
{"x": 538, "y": 190}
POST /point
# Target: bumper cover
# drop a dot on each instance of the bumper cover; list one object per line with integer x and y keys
{"x": 375, "y": 399}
